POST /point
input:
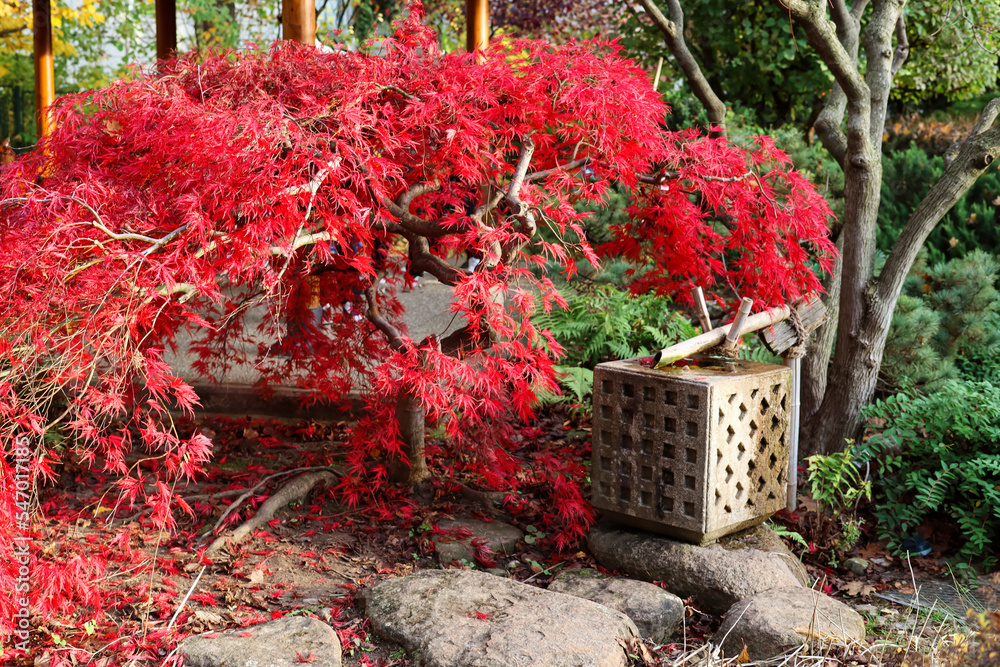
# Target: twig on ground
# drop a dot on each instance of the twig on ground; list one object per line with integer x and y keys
{"x": 293, "y": 490}
{"x": 249, "y": 492}
{"x": 184, "y": 601}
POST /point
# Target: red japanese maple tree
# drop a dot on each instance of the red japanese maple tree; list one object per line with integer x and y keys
{"x": 179, "y": 200}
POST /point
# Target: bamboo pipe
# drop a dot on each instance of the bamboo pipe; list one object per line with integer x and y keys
{"x": 45, "y": 83}
{"x": 669, "y": 355}
{"x": 704, "y": 319}
{"x": 736, "y": 329}
{"x": 795, "y": 363}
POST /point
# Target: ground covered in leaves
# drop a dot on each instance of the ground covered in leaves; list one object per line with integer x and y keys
{"x": 314, "y": 555}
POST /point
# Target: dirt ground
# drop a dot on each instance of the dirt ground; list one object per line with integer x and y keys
{"x": 316, "y": 553}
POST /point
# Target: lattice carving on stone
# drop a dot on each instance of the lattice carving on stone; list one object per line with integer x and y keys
{"x": 696, "y": 454}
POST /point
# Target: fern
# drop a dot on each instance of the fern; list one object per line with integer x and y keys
{"x": 939, "y": 455}
{"x": 604, "y": 323}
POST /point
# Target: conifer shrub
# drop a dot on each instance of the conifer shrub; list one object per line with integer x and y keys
{"x": 970, "y": 224}
{"x": 946, "y": 324}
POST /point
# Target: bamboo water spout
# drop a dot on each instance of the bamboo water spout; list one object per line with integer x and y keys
{"x": 686, "y": 348}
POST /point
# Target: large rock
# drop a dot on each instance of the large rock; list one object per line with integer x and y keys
{"x": 771, "y": 622}
{"x": 762, "y": 538}
{"x": 715, "y": 576}
{"x": 655, "y": 612}
{"x": 501, "y": 538}
{"x": 463, "y": 618}
{"x": 281, "y": 643}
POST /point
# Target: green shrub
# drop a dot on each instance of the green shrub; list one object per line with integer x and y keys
{"x": 947, "y": 313}
{"x": 603, "y": 322}
{"x": 939, "y": 454}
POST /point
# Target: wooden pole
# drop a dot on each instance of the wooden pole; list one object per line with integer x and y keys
{"x": 166, "y": 29}
{"x": 45, "y": 81}
{"x": 477, "y": 24}
{"x": 298, "y": 21}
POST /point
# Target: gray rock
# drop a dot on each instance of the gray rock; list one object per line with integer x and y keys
{"x": 771, "y": 622}
{"x": 655, "y": 612}
{"x": 856, "y": 565}
{"x": 764, "y": 539}
{"x": 500, "y": 536}
{"x": 275, "y": 644}
{"x": 715, "y": 576}
{"x": 464, "y": 618}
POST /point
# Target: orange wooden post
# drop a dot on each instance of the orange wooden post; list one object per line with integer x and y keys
{"x": 166, "y": 29}
{"x": 45, "y": 81}
{"x": 298, "y": 21}
{"x": 477, "y": 24}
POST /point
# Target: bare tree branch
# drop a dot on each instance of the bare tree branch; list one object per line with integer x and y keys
{"x": 974, "y": 155}
{"x": 401, "y": 209}
{"x": 539, "y": 175}
{"x": 986, "y": 120}
{"x": 902, "y": 45}
{"x": 673, "y": 33}
{"x": 811, "y": 15}
{"x": 374, "y": 316}
{"x": 828, "y": 123}
{"x": 877, "y": 39}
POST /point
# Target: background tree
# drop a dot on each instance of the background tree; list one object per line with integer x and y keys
{"x": 864, "y": 47}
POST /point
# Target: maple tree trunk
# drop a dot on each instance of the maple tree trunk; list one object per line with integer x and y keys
{"x": 410, "y": 416}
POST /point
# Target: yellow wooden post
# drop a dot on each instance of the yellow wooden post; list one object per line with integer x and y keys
{"x": 477, "y": 24}
{"x": 298, "y": 21}
{"x": 45, "y": 82}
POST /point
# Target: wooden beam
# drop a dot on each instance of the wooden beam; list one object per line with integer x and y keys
{"x": 45, "y": 81}
{"x": 298, "y": 21}
{"x": 166, "y": 29}
{"x": 477, "y": 24}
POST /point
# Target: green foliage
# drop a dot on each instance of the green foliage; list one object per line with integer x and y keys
{"x": 751, "y": 53}
{"x": 947, "y": 313}
{"x": 576, "y": 385}
{"x": 787, "y": 533}
{"x": 970, "y": 224}
{"x": 835, "y": 482}
{"x": 953, "y": 50}
{"x": 939, "y": 454}
{"x": 607, "y": 323}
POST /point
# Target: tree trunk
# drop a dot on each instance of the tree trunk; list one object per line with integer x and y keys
{"x": 413, "y": 470}
{"x": 862, "y": 335}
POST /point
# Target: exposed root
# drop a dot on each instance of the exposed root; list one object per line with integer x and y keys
{"x": 293, "y": 490}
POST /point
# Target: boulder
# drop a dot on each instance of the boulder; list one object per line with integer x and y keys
{"x": 501, "y": 538}
{"x": 285, "y": 642}
{"x": 773, "y": 621}
{"x": 715, "y": 576}
{"x": 762, "y": 538}
{"x": 655, "y": 612}
{"x": 464, "y": 618}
